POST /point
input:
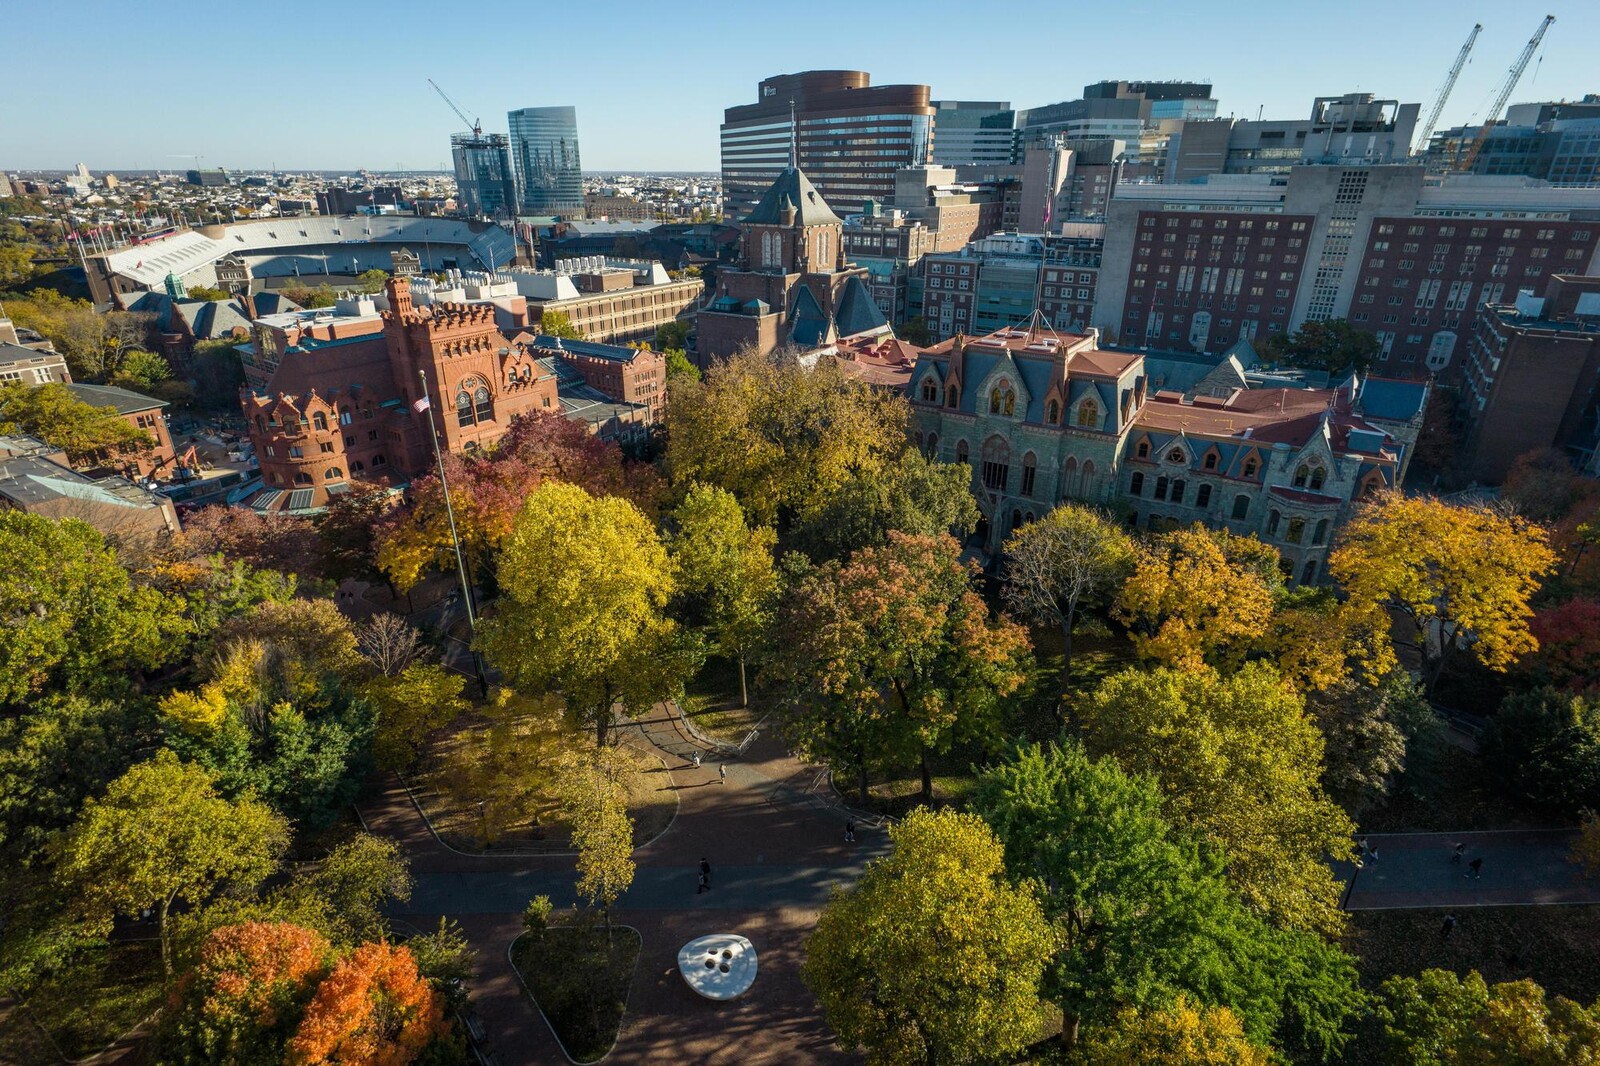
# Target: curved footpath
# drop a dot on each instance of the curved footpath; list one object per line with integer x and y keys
{"x": 774, "y": 836}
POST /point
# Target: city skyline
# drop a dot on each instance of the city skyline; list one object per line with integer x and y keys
{"x": 357, "y": 114}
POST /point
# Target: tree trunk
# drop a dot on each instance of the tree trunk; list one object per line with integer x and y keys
{"x": 1069, "y": 1029}
{"x": 744, "y": 691}
{"x": 861, "y": 781}
{"x": 927, "y": 779}
{"x": 166, "y": 947}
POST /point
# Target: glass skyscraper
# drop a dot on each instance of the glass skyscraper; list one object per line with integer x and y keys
{"x": 486, "y": 186}
{"x": 544, "y": 149}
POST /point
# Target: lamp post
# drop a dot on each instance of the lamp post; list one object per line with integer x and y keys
{"x": 455, "y": 540}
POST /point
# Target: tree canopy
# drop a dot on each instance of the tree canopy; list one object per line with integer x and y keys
{"x": 1333, "y": 345}
{"x": 53, "y": 414}
{"x": 934, "y": 957}
{"x": 1439, "y": 1019}
{"x": 1064, "y": 562}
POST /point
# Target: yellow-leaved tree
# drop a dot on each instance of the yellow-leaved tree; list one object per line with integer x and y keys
{"x": 1463, "y": 574}
{"x": 1184, "y": 1032}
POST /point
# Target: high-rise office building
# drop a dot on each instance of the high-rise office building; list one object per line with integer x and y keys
{"x": 486, "y": 185}
{"x": 973, "y": 133}
{"x": 851, "y": 139}
{"x": 544, "y": 150}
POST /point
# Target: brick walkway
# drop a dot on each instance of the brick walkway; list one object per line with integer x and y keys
{"x": 774, "y": 836}
{"x": 1520, "y": 868}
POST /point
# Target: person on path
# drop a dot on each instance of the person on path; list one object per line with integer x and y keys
{"x": 705, "y": 885}
{"x": 850, "y": 831}
{"x": 1460, "y": 850}
{"x": 696, "y": 758}
{"x": 705, "y": 872}
{"x": 1361, "y": 846}
{"x": 1449, "y": 927}
{"x": 722, "y": 772}
{"x": 1476, "y": 868}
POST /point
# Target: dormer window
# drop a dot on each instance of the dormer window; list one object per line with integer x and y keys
{"x": 930, "y": 391}
{"x": 1250, "y": 468}
{"x": 1053, "y": 412}
{"x": 952, "y": 396}
{"x": 1317, "y": 479}
{"x": 1142, "y": 450}
{"x": 1089, "y": 415}
{"x": 1002, "y": 400}
{"x": 1210, "y": 462}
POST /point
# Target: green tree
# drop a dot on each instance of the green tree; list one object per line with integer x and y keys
{"x": 372, "y": 281}
{"x": 934, "y": 957}
{"x": 893, "y": 654}
{"x": 557, "y": 324}
{"x": 16, "y": 265}
{"x": 309, "y": 298}
{"x": 1240, "y": 762}
{"x": 679, "y": 367}
{"x": 53, "y": 414}
{"x": 1141, "y": 913}
{"x": 1333, "y": 345}
{"x": 142, "y": 371}
{"x": 446, "y": 958}
{"x": 1071, "y": 558}
{"x": 914, "y": 331}
{"x": 206, "y": 292}
{"x": 596, "y": 804}
{"x": 162, "y": 834}
{"x": 357, "y": 880}
{"x": 74, "y": 619}
{"x": 584, "y": 586}
{"x": 1439, "y": 1019}
{"x": 423, "y": 698}
{"x": 1545, "y": 745}
{"x": 1367, "y": 730}
{"x": 909, "y": 494}
{"x": 726, "y": 577}
{"x": 672, "y": 335}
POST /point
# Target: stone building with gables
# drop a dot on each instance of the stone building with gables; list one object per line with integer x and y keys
{"x": 1043, "y": 417}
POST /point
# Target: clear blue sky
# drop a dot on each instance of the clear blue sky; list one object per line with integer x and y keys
{"x": 339, "y": 86}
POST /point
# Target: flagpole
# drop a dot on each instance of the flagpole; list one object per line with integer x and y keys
{"x": 455, "y": 540}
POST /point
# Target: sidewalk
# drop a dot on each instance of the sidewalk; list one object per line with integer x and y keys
{"x": 1521, "y": 868}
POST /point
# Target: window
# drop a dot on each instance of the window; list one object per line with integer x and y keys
{"x": 961, "y": 452}
{"x": 378, "y": 460}
{"x": 1002, "y": 400}
{"x": 933, "y": 446}
{"x": 1241, "y": 507}
{"x": 1202, "y": 498}
{"x": 1177, "y": 491}
{"x": 1308, "y": 576}
{"x": 1028, "y": 471}
{"x": 996, "y": 464}
{"x": 1321, "y": 536}
{"x": 1161, "y": 487}
{"x": 1089, "y": 417}
{"x": 326, "y": 447}
{"x": 1272, "y": 524}
{"x": 1175, "y": 455}
{"x": 1316, "y": 478}
{"x": 930, "y": 391}
{"x": 302, "y": 478}
{"x": 1301, "y": 475}
{"x": 1136, "y": 483}
{"x": 319, "y": 421}
{"x": 464, "y": 408}
{"x": 485, "y": 405}
{"x": 1250, "y": 468}
{"x": 1210, "y": 461}
{"x": 333, "y": 473}
{"x": 1143, "y": 450}
{"x": 1296, "y": 532}
{"x": 952, "y": 396}
{"x": 1053, "y": 412}
{"x": 344, "y": 416}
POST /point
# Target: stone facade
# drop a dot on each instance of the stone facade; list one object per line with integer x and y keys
{"x": 1042, "y": 417}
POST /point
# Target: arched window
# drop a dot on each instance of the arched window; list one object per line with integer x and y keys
{"x": 485, "y": 405}
{"x": 319, "y": 421}
{"x": 930, "y": 391}
{"x": 344, "y": 416}
{"x": 933, "y": 446}
{"x": 769, "y": 257}
{"x": 1029, "y": 463}
{"x": 1177, "y": 491}
{"x": 1053, "y": 412}
{"x": 1241, "y": 507}
{"x": 1321, "y": 536}
{"x": 962, "y": 456}
{"x": 1250, "y": 468}
{"x": 1302, "y": 474}
{"x": 1143, "y": 450}
{"x": 1089, "y": 415}
{"x": 1002, "y": 400}
{"x": 302, "y": 478}
{"x": 1317, "y": 476}
{"x": 1210, "y": 461}
{"x": 1203, "y": 496}
{"x": 996, "y": 464}
{"x": 464, "y": 408}
{"x": 1272, "y": 524}
{"x": 1308, "y": 576}
{"x": 357, "y": 467}
{"x": 1016, "y": 519}
{"x": 378, "y": 460}
{"x": 1175, "y": 455}
{"x": 333, "y": 473}
{"x": 1136, "y": 483}
{"x": 1086, "y": 482}
{"x": 1069, "y": 473}
{"x": 1296, "y": 532}
{"x": 952, "y": 396}
{"x": 1161, "y": 486}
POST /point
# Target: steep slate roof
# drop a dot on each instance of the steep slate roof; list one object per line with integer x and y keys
{"x": 857, "y": 313}
{"x": 810, "y": 209}
{"x": 808, "y": 325}
{"x": 125, "y": 401}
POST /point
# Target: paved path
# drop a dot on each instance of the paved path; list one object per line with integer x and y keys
{"x": 1520, "y": 868}
{"x": 774, "y": 836}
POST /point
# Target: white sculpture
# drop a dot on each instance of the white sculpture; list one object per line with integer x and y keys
{"x": 719, "y": 966}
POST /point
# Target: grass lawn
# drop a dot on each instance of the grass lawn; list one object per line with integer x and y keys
{"x": 1555, "y": 946}
{"x": 711, "y": 700}
{"x": 652, "y": 803}
{"x": 86, "y": 1007}
{"x": 580, "y": 981}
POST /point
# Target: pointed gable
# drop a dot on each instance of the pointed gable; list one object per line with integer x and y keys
{"x": 810, "y": 209}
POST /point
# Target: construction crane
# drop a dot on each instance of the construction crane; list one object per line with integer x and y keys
{"x": 477, "y": 129}
{"x": 1449, "y": 84}
{"x": 1512, "y": 77}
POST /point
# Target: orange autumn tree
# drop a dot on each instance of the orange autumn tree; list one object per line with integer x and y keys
{"x": 245, "y": 992}
{"x": 373, "y": 1008}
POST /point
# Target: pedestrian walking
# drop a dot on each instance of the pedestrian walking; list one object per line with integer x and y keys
{"x": 850, "y": 830}
{"x": 1372, "y": 854}
{"x": 722, "y": 772}
{"x": 1476, "y": 869}
{"x": 1449, "y": 927}
{"x": 705, "y": 885}
{"x": 705, "y": 872}
{"x": 695, "y": 758}
{"x": 1460, "y": 850}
